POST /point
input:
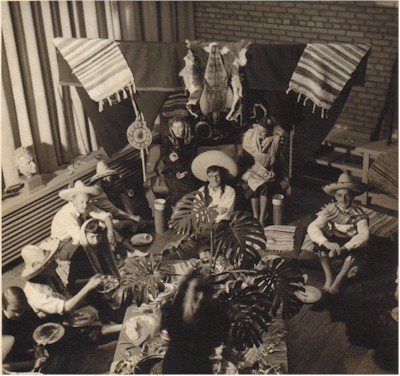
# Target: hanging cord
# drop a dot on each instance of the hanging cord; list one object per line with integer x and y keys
{"x": 112, "y": 19}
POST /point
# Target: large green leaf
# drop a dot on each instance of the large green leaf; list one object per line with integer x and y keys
{"x": 239, "y": 239}
{"x": 192, "y": 215}
{"x": 279, "y": 279}
{"x": 143, "y": 278}
{"x": 248, "y": 313}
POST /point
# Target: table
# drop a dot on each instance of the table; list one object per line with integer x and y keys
{"x": 272, "y": 354}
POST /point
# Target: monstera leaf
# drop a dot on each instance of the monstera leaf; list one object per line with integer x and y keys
{"x": 143, "y": 278}
{"x": 248, "y": 313}
{"x": 192, "y": 214}
{"x": 279, "y": 279}
{"x": 239, "y": 239}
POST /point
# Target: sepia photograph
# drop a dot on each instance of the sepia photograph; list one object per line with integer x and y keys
{"x": 199, "y": 187}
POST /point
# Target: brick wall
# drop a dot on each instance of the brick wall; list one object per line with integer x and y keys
{"x": 311, "y": 22}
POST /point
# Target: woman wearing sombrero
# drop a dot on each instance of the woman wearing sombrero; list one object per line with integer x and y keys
{"x": 340, "y": 231}
{"x": 215, "y": 168}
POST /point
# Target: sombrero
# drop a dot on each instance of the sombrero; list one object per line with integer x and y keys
{"x": 213, "y": 158}
{"x": 344, "y": 182}
{"x": 79, "y": 187}
{"x": 102, "y": 170}
{"x": 36, "y": 258}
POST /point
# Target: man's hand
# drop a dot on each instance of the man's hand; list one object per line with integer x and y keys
{"x": 39, "y": 362}
{"x": 94, "y": 281}
{"x": 222, "y": 210}
{"x": 111, "y": 239}
{"x": 334, "y": 248}
{"x": 181, "y": 175}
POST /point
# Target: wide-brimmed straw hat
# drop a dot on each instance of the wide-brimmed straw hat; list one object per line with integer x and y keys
{"x": 79, "y": 188}
{"x": 213, "y": 158}
{"x": 36, "y": 258}
{"x": 102, "y": 170}
{"x": 344, "y": 182}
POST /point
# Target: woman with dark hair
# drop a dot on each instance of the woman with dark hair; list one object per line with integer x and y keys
{"x": 94, "y": 256}
{"x": 177, "y": 152}
{"x": 262, "y": 180}
{"x": 195, "y": 324}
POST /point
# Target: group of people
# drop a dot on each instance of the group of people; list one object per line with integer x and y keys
{"x": 88, "y": 241}
{"x": 66, "y": 271}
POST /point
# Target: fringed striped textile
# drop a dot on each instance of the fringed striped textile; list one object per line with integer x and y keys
{"x": 323, "y": 70}
{"x": 382, "y": 225}
{"x": 384, "y": 175}
{"x": 100, "y": 67}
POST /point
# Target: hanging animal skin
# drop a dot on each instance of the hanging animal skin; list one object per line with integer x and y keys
{"x": 213, "y": 97}
{"x": 211, "y": 76}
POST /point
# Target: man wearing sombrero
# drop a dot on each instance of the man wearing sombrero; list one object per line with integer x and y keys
{"x": 68, "y": 220}
{"x": 340, "y": 231}
{"x": 215, "y": 167}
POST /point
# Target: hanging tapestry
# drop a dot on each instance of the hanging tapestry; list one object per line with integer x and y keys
{"x": 99, "y": 66}
{"x": 211, "y": 76}
{"x": 323, "y": 70}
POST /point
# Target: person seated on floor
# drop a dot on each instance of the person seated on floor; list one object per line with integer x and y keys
{"x": 45, "y": 292}
{"x": 215, "y": 172}
{"x": 94, "y": 256}
{"x": 262, "y": 148}
{"x": 178, "y": 150}
{"x": 195, "y": 325}
{"x": 113, "y": 200}
{"x": 19, "y": 322}
{"x": 340, "y": 231}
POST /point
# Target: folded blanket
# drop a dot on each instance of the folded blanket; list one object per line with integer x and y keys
{"x": 383, "y": 174}
{"x": 323, "y": 70}
{"x": 100, "y": 67}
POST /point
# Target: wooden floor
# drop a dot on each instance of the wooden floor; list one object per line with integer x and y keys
{"x": 316, "y": 345}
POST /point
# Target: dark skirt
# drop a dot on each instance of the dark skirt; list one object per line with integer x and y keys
{"x": 177, "y": 188}
{"x": 267, "y": 189}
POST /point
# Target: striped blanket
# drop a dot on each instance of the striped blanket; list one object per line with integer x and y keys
{"x": 323, "y": 70}
{"x": 384, "y": 175}
{"x": 99, "y": 66}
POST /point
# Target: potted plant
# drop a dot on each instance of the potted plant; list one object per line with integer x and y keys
{"x": 257, "y": 286}
{"x": 251, "y": 287}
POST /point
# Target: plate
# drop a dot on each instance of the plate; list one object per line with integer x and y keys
{"x": 141, "y": 239}
{"x": 224, "y": 367}
{"x": 48, "y": 333}
{"x": 109, "y": 283}
{"x": 310, "y": 295}
{"x": 138, "y": 328}
{"x": 84, "y": 316}
{"x": 150, "y": 365}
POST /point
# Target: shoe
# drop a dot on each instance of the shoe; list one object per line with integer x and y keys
{"x": 137, "y": 253}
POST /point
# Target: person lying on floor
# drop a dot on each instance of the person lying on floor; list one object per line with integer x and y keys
{"x": 19, "y": 322}
{"x": 45, "y": 291}
{"x": 94, "y": 256}
{"x": 340, "y": 231}
{"x": 112, "y": 200}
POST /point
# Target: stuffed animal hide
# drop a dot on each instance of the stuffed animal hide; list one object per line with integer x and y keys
{"x": 211, "y": 76}
{"x": 213, "y": 97}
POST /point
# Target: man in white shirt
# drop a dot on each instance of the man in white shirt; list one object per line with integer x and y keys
{"x": 67, "y": 221}
{"x": 340, "y": 230}
{"x": 215, "y": 167}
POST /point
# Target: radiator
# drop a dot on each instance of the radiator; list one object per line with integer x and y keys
{"x": 31, "y": 223}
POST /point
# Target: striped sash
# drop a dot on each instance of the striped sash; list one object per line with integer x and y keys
{"x": 323, "y": 70}
{"x": 99, "y": 66}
